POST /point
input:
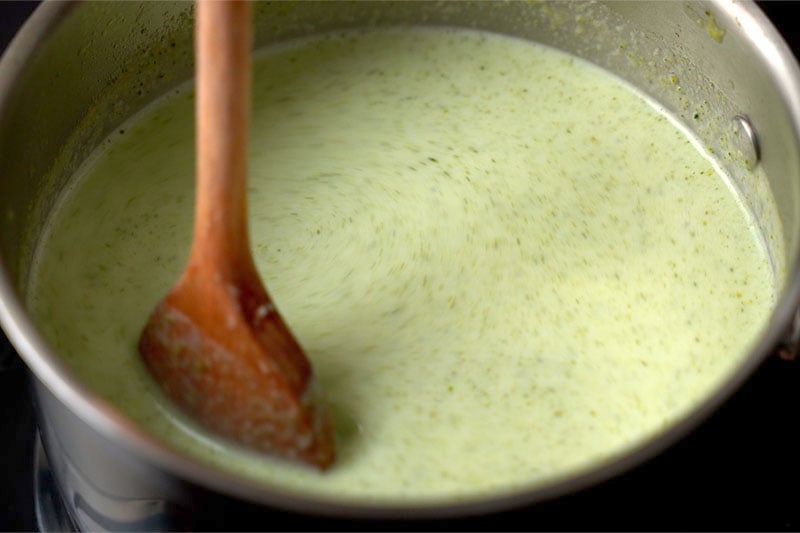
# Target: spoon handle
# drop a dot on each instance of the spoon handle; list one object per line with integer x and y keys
{"x": 223, "y": 50}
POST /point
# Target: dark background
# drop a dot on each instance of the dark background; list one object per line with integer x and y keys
{"x": 739, "y": 471}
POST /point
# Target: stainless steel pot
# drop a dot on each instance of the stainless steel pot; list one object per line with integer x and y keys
{"x": 77, "y": 70}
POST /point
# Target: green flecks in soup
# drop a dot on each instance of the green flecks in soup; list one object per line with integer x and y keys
{"x": 504, "y": 264}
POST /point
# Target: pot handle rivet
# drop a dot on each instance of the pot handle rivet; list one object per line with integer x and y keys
{"x": 789, "y": 347}
{"x": 746, "y": 139}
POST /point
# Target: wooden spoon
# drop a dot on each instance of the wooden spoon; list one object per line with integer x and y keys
{"x": 216, "y": 343}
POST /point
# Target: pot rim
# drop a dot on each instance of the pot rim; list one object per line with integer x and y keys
{"x": 111, "y": 424}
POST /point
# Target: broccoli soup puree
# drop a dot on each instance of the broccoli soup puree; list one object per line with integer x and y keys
{"x": 505, "y": 264}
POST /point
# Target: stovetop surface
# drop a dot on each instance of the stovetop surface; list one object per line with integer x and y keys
{"x": 738, "y": 471}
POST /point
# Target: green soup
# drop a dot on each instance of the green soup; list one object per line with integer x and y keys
{"x": 505, "y": 264}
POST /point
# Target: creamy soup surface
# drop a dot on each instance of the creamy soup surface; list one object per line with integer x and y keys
{"x": 504, "y": 264}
